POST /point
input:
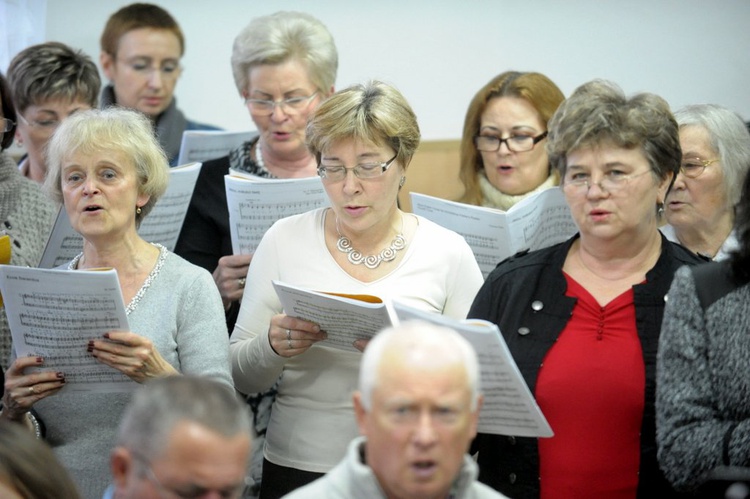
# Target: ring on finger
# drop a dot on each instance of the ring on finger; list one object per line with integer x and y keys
{"x": 32, "y": 391}
{"x": 241, "y": 281}
{"x": 289, "y": 344}
{"x": 288, "y": 335}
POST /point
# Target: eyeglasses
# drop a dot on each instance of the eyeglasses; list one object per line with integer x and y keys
{"x": 47, "y": 126}
{"x": 290, "y": 106}
{"x": 190, "y": 491}
{"x": 514, "y": 143}
{"x": 694, "y": 167}
{"x": 336, "y": 173}
{"x": 613, "y": 180}
{"x": 168, "y": 70}
{"x": 6, "y": 125}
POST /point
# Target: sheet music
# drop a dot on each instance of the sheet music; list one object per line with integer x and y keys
{"x": 63, "y": 244}
{"x": 256, "y": 203}
{"x": 509, "y": 407}
{"x": 536, "y": 222}
{"x": 54, "y": 313}
{"x": 344, "y": 319}
{"x": 164, "y": 223}
{"x": 202, "y": 145}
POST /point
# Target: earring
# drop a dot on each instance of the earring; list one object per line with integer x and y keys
{"x": 138, "y": 210}
{"x": 401, "y": 182}
{"x": 659, "y": 209}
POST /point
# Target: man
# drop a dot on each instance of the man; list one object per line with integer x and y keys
{"x": 181, "y": 436}
{"x": 142, "y": 46}
{"x": 417, "y": 408}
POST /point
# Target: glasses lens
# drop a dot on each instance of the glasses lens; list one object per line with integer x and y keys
{"x": 692, "y": 167}
{"x": 486, "y": 143}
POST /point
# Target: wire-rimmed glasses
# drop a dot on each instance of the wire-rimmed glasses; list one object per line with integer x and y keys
{"x": 337, "y": 173}
{"x": 694, "y": 167}
{"x": 611, "y": 181}
{"x": 290, "y": 106}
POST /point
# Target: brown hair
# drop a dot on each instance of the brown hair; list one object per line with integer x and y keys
{"x": 137, "y": 16}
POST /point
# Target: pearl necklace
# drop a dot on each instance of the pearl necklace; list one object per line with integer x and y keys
{"x": 259, "y": 156}
{"x": 344, "y": 245}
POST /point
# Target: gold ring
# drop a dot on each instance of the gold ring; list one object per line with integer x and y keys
{"x": 32, "y": 391}
{"x": 241, "y": 281}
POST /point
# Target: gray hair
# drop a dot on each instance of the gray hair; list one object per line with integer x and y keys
{"x": 418, "y": 335}
{"x": 51, "y": 71}
{"x": 281, "y": 37}
{"x": 158, "y": 406}
{"x": 112, "y": 129}
{"x": 599, "y": 113}
{"x": 729, "y": 138}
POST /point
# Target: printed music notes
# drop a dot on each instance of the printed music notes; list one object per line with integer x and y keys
{"x": 54, "y": 313}
{"x": 536, "y": 222}
{"x": 256, "y": 203}
{"x": 202, "y": 145}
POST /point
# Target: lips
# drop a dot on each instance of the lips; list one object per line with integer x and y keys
{"x": 92, "y": 208}
{"x": 504, "y": 168}
{"x": 354, "y": 211}
{"x": 424, "y": 469}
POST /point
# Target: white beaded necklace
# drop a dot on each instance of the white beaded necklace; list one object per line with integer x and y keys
{"x": 344, "y": 245}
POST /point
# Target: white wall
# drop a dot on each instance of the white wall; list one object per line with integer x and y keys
{"x": 439, "y": 52}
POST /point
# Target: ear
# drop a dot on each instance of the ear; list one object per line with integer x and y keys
{"x": 331, "y": 91}
{"x": 121, "y": 464}
{"x": 142, "y": 200}
{"x": 360, "y": 413}
{"x": 107, "y": 62}
{"x": 17, "y": 136}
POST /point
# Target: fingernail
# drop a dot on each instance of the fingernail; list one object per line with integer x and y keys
{"x": 39, "y": 360}
{"x": 106, "y": 335}
{"x": 90, "y": 347}
{"x": 60, "y": 376}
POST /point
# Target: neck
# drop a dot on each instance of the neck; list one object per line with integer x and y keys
{"x": 126, "y": 255}
{"x": 373, "y": 239}
{"x": 32, "y": 171}
{"x": 614, "y": 260}
{"x": 708, "y": 239}
{"x": 296, "y": 165}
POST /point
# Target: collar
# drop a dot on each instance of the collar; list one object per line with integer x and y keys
{"x": 493, "y": 198}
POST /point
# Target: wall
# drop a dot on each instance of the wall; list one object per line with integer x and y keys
{"x": 440, "y": 52}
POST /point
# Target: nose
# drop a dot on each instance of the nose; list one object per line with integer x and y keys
{"x": 352, "y": 184}
{"x": 599, "y": 192}
{"x": 90, "y": 186}
{"x": 425, "y": 434}
{"x": 504, "y": 142}
{"x": 155, "y": 78}
{"x": 278, "y": 113}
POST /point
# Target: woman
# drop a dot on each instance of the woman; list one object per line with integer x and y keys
{"x": 503, "y": 158}
{"x": 108, "y": 170}
{"x": 715, "y": 159}
{"x": 29, "y": 469}
{"x": 363, "y": 138}
{"x": 50, "y": 82}
{"x": 703, "y": 376}
{"x": 594, "y": 302}
{"x": 284, "y": 65}
{"x": 26, "y": 213}
{"x": 142, "y": 46}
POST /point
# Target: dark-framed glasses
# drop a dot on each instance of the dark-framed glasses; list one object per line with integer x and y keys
{"x": 6, "y": 125}
{"x": 290, "y": 106}
{"x": 188, "y": 491}
{"x": 611, "y": 182}
{"x": 336, "y": 173}
{"x": 514, "y": 143}
{"x": 694, "y": 167}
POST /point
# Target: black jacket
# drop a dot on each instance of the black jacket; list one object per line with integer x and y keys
{"x": 511, "y": 464}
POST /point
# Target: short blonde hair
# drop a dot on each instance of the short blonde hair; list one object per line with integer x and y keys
{"x": 112, "y": 129}
{"x": 281, "y": 37}
{"x": 374, "y": 113}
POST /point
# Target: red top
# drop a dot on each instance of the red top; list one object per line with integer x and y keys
{"x": 591, "y": 389}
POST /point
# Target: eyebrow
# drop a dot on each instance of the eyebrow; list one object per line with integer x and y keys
{"x": 513, "y": 129}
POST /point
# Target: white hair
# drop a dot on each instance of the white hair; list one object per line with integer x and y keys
{"x": 418, "y": 336}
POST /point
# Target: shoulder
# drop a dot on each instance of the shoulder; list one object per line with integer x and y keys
{"x": 530, "y": 262}
{"x": 677, "y": 255}
{"x": 194, "y": 125}
{"x": 177, "y": 268}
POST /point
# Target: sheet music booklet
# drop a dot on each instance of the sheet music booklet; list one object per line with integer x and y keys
{"x": 255, "y": 203}
{"x": 54, "y": 313}
{"x": 538, "y": 221}
{"x": 509, "y": 407}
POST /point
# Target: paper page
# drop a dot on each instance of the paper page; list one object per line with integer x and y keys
{"x": 540, "y": 221}
{"x": 345, "y": 320}
{"x": 255, "y": 205}
{"x": 164, "y": 223}
{"x": 484, "y": 229}
{"x": 54, "y": 313}
{"x": 202, "y": 145}
{"x": 63, "y": 244}
{"x": 509, "y": 407}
